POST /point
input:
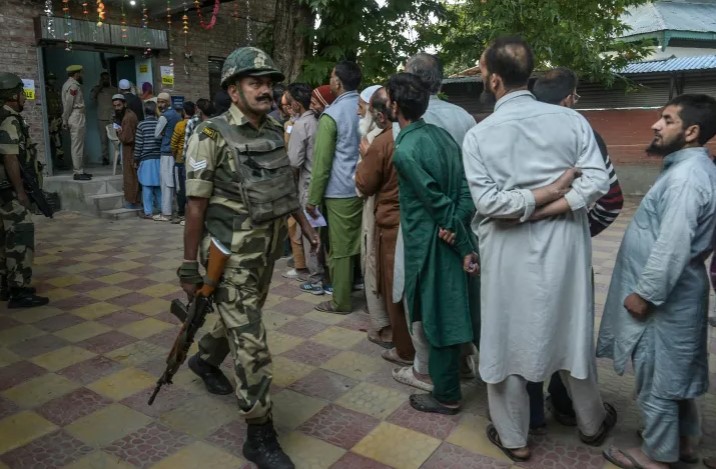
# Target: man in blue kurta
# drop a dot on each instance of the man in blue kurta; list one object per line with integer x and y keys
{"x": 656, "y": 309}
{"x": 435, "y": 210}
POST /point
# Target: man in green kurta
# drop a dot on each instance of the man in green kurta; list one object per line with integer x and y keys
{"x": 435, "y": 211}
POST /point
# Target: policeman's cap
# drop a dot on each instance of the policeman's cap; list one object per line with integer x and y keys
{"x": 74, "y": 68}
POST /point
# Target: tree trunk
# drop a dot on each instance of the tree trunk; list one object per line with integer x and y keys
{"x": 292, "y": 27}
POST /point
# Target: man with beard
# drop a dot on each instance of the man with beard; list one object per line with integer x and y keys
{"x": 126, "y": 123}
{"x": 102, "y": 96}
{"x": 656, "y": 309}
{"x": 133, "y": 101}
{"x": 164, "y": 131}
{"x": 335, "y": 157}
{"x": 434, "y": 198}
{"x": 537, "y": 306}
{"x": 381, "y": 332}
{"x": 74, "y": 120}
{"x": 377, "y": 178}
{"x": 217, "y": 207}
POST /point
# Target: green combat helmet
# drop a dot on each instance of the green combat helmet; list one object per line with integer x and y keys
{"x": 10, "y": 85}
{"x": 248, "y": 61}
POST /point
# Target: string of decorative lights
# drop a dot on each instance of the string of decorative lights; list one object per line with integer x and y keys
{"x": 85, "y": 10}
{"x": 50, "y": 18}
{"x": 185, "y": 27}
{"x": 68, "y": 25}
{"x": 101, "y": 13}
{"x": 124, "y": 29}
{"x": 169, "y": 30}
{"x": 145, "y": 26}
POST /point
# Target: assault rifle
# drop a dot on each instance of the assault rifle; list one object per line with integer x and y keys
{"x": 34, "y": 191}
{"x": 193, "y": 315}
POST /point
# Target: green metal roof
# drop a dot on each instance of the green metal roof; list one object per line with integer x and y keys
{"x": 692, "y": 19}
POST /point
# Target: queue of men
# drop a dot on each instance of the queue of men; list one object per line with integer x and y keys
{"x": 478, "y": 235}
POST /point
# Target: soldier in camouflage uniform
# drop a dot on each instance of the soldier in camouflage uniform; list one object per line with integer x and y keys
{"x": 17, "y": 237}
{"x": 216, "y": 207}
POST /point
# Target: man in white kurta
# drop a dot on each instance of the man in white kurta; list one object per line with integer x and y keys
{"x": 535, "y": 249}
{"x": 656, "y": 310}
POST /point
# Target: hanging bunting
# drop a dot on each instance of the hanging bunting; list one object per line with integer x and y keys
{"x": 185, "y": 28}
{"x": 169, "y": 28}
{"x": 68, "y": 25}
{"x": 101, "y": 13}
{"x": 214, "y": 12}
{"x": 50, "y": 18}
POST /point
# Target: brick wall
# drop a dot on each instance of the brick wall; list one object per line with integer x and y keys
{"x": 19, "y": 55}
{"x": 627, "y": 133}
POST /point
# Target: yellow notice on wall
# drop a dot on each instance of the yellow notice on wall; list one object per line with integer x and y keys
{"x": 28, "y": 87}
{"x": 143, "y": 68}
{"x": 167, "y": 76}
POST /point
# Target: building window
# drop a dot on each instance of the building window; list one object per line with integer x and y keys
{"x": 215, "y": 65}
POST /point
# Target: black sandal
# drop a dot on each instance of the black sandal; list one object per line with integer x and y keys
{"x": 609, "y": 421}
{"x": 494, "y": 438}
{"x": 427, "y": 403}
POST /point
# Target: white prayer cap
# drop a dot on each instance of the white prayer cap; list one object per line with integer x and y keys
{"x": 124, "y": 85}
{"x": 367, "y": 93}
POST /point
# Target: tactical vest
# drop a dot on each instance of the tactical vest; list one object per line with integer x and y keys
{"x": 263, "y": 180}
{"x": 28, "y": 150}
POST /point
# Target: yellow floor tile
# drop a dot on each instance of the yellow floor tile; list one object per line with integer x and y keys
{"x": 169, "y": 264}
{"x": 274, "y": 320}
{"x": 48, "y": 259}
{"x": 330, "y": 319}
{"x": 95, "y": 311}
{"x": 339, "y": 337}
{"x": 18, "y": 334}
{"x": 119, "y": 277}
{"x": 372, "y": 399}
{"x": 83, "y": 331}
{"x": 106, "y": 293}
{"x": 62, "y": 358}
{"x": 66, "y": 280}
{"x": 308, "y": 452}
{"x": 165, "y": 276}
{"x": 291, "y": 409}
{"x": 315, "y": 299}
{"x": 146, "y": 327}
{"x": 397, "y": 446}
{"x": 7, "y": 357}
{"x": 123, "y": 384}
{"x": 200, "y": 416}
{"x": 160, "y": 289}
{"x": 29, "y": 316}
{"x": 57, "y": 294}
{"x": 97, "y": 248}
{"x": 39, "y": 390}
{"x": 138, "y": 352}
{"x": 107, "y": 425}
{"x": 286, "y": 372}
{"x": 354, "y": 365}
{"x": 279, "y": 342}
{"x": 89, "y": 257}
{"x": 200, "y": 455}
{"x": 78, "y": 268}
{"x": 21, "y": 428}
{"x": 151, "y": 307}
{"x": 124, "y": 265}
{"x": 470, "y": 434}
{"x": 99, "y": 460}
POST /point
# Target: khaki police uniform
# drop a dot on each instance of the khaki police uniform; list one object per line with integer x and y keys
{"x": 17, "y": 237}
{"x": 73, "y": 115}
{"x": 239, "y": 298}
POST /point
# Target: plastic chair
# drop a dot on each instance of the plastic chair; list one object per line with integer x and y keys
{"x": 116, "y": 145}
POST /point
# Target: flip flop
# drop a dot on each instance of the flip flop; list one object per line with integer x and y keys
{"x": 327, "y": 307}
{"x": 405, "y": 375}
{"x": 377, "y": 341}
{"x": 392, "y": 356}
{"x": 427, "y": 403}
{"x": 494, "y": 438}
{"x": 609, "y": 456}
{"x": 685, "y": 458}
{"x": 609, "y": 421}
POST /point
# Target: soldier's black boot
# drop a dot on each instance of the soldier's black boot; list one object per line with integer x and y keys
{"x": 4, "y": 289}
{"x": 263, "y": 449}
{"x": 214, "y": 380}
{"x": 25, "y": 298}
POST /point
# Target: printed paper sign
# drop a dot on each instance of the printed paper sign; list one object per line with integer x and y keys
{"x": 167, "y": 76}
{"x": 28, "y": 86}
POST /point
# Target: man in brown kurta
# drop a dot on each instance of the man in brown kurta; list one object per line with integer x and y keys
{"x": 376, "y": 175}
{"x": 126, "y": 122}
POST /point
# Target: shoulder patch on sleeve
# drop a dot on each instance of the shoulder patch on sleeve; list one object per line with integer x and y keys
{"x": 73, "y": 92}
{"x": 211, "y": 133}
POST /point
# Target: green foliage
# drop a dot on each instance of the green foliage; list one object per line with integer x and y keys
{"x": 374, "y": 35}
{"x": 576, "y": 34}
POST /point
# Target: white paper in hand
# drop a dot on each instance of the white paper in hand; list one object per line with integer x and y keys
{"x": 316, "y": 222}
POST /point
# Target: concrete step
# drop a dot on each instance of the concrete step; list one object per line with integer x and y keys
{"x": 119, "y": 213}
{"x": 109, "y": 201}
{"x": 76, "y": 195}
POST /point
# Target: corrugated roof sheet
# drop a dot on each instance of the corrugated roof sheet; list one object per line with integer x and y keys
{"x": 694, "y": 16}
{"x": 674, "y": 64}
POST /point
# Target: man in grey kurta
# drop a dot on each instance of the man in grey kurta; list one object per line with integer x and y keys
{"x": 656, "y": 310}
{"x": 535, "y": 249}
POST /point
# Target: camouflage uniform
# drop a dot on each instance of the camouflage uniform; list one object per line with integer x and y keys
{"x": 242, "y": 292}
{"x": 17, "y": 237}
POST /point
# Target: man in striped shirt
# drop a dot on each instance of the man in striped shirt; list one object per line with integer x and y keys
{"x": 559, "y": 87}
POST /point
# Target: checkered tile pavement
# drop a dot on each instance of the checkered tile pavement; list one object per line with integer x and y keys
{"x": 75, "y": 375}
